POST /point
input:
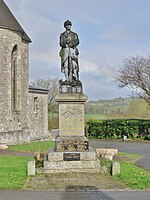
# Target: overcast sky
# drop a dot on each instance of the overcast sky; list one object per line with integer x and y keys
{"x": 109, "y": 31}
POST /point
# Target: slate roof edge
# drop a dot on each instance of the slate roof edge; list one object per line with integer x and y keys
{"x": 26, "y": 38}
{"x": 9, "y": 21}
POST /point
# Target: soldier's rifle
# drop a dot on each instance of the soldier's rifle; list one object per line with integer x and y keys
{"x": 70, "y": 67}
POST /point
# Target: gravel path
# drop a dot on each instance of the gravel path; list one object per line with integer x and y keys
{"x": 15, "y": 153}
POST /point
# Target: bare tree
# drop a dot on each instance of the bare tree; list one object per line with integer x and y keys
{"x": 135, "y": 74}
{"x": 51, "y": 84}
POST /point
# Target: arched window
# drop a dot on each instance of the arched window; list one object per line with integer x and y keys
{"x": 14, "y": 78}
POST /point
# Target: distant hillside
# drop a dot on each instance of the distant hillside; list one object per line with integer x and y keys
{"x": 104, "y": 107}
{"x": 116, "y": 100}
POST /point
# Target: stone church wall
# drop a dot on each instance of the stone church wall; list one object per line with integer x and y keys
{"x": 18, "y": 121}
{"x": 13, "y": 120}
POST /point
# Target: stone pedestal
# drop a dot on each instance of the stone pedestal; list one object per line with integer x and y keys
{"x": 72, "y": 152}
{"x": 71, "y": 114}
{"x": 70, "y": 89}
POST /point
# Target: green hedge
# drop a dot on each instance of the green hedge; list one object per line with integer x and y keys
{"x": 117, "y": 128}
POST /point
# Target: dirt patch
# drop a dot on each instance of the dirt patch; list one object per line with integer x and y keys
{"x": 73, "y": 181}
{"x": 127, "y": 158}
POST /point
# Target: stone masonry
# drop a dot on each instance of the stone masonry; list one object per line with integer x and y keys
{"x": 10, "y": 120}
{"x": 38, "y": 123}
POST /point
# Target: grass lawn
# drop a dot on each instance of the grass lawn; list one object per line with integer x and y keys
{"x": 33, "y": 147}
{"x": 13, "y": 172}
{"x": 131, "y": 158}
{"x": 134, "y": 177}
{"x": 127, "y": 154}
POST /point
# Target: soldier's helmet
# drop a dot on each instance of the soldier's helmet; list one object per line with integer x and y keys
{"x": 67, "y": 23}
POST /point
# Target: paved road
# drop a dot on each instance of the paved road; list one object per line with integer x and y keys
{"x": 140, "y": 148}
{"x": 98, "y": 195}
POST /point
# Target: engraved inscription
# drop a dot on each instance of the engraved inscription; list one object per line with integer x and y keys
{"x": 71, "y": 156}
{"x": 71, "y": 120}
{"x": 72, "y": 111}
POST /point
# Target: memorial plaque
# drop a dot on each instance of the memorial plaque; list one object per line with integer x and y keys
{"x": 71, "y": 156}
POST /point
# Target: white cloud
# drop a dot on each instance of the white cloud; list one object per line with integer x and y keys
{"x": 91, "y": 68}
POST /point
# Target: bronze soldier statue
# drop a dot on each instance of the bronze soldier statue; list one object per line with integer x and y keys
{"x": 69, "y": 53}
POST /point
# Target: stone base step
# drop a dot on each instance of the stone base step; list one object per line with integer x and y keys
{"x": 90, "y": 166}
{"x": 59, "y": 156}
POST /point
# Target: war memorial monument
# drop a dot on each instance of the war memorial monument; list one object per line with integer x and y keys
{"x": 72, "y": 152}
